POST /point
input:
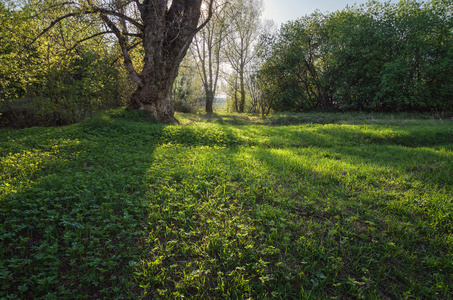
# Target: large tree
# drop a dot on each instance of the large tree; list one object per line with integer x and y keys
{"x": 163, "y": 28}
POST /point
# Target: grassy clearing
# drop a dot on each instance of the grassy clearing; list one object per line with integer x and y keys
{"x": 350, "y": 118}
{"x": 116, "y": 208}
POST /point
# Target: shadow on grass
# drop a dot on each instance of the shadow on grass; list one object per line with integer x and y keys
{"x": 71, "y": 208}
{"x": 226, "y": 118}
{"x": 345, "y": 135}
{"x": 86, "y": 203}
{"x": 393, "y": 179}
{"x": 71, "y": 203}
{"x": 351, "y": 118}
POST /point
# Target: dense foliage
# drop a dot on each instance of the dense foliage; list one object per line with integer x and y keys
{"x": 188, "y": 93}
{"x": 373, "y": 57}
{"x": 54, "y": 80}
{"x": 116, "y": 207}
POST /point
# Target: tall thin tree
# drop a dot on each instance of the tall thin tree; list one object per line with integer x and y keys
{"x": 245, "y": 22}
{"x": 207, "y": 48}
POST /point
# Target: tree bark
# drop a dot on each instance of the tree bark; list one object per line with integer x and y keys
{"x": 155, "y": 98}
{"x": 209, "y": 101}
{"x": 242, "y": 87}
{"x": 167, "y": 29}
{"x": 167, "y": 35}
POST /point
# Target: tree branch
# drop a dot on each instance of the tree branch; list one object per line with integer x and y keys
{"x": 86, "y": 39}
{"x": 52, "y": 24}
{"x": 52, "y": 6}
{"x": 94, "y": 10}
{"x": 139, "y": 6}
{"x": 123, "y": 44}
{"x": 129, "y": 49}
{"x": 119, "y": 15}
{"x": 210, "y": 13}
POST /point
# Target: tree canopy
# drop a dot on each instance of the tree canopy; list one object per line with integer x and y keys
{"x": 373, "y": 57}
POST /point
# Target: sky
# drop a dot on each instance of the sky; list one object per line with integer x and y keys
{"x": 282, "y": 11}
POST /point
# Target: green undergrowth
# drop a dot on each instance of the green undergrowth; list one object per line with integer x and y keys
{"x": 117, "y": 207}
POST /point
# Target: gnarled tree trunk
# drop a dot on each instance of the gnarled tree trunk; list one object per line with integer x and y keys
{"x": 156, "y": 99}
{"x": 167, "y": 35}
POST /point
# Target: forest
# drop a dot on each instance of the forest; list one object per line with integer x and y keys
{"x": 376, "y": 57}
{"x": 189, "y": 149}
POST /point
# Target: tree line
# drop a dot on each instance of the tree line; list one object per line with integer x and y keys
{"x": 380, "y": 57}
{"x": 374, "y": 57}
{"x": 62, "y": 60}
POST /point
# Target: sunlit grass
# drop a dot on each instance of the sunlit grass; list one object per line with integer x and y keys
{"x": 116, "y": 207}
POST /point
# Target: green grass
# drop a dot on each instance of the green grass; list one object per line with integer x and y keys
{"x": 308, "y": 206}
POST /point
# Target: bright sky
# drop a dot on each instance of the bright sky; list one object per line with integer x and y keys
{"x": 282, "y": 11}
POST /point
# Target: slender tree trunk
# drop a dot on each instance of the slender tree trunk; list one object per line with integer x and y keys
{"x": 242, "y": 87}
{"x": 209, "y": 101}
{"x": 236, "y": 102}
{"x": 207, "y": 47}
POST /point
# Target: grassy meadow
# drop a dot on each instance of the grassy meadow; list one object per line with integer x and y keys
{"x": 291, "y": 206}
